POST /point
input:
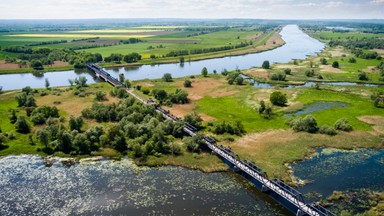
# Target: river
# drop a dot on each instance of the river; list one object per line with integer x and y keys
{"x": 298, "y": 45}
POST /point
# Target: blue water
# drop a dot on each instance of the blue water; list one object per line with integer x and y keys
{"x": 318, "y": 106}
{"x": 331, "y": 170}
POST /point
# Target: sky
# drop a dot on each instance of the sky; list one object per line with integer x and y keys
{"x": 257, "y": 9}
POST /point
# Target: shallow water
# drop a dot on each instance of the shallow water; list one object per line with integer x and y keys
{"x": 332, "y": 169}
{"x": 119, "y": 187}
{"x": 318, "y": 106}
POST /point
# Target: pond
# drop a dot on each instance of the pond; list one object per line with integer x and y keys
{"x": 109, "y": 187}
{"x": 298, "y": 46}
{"x": 331, "y": 169}
{"x": 318, "y": 106}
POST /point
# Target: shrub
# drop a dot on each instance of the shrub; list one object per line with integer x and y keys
{"x": 307, "y": 124}
{"x": 309, "y": 73}
{"x": 352, "y": 60}
{"x": 167, "y": 77}
{"x": 145, "y": 91}
{"x": 265, "y": 64}
{"x": 22, "y": 125}
{"x": 325, "y": 129}
{"x": 335, "y": 64}
{"x": 204, "y": 71}
{"x": 278, "y": 98}
{"x": 287, "y": 71}
{"x": 100, "y": 96}
{"x": 187, "y": 84}
{"x": 323, "y": 61}
{"x": 362, "y": 76}
{"x": 278, "y": 77}
{"x": 343, "y": 125}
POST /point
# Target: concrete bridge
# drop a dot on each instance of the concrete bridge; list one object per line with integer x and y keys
{"x": 284, "y": 194}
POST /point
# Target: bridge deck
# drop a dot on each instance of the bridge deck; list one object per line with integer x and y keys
{"x": 291, "y": 195}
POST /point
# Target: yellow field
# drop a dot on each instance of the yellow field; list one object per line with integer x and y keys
{"x": 82, "y": 35}
{"x": 160, "y": 27}
{"x": 116, "y": 31}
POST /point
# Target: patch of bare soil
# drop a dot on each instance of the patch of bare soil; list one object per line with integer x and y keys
{"x": 8, "y": 66}
{"x": 377, "y": 123}
{"x": 180, "y": 110}
{"x": 338, "y": 52}
{"x": 258, "y": 72}
{"x": 206, "y": 87}
{"x": 329, "y": 68}
{"x": 370, "y": 69}
{"x": 60, "y": 64}
{"x": 283, "y": 66}
{"x": 379, "y": 51}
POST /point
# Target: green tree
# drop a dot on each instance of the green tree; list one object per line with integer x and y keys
{"x": 204, "y": 72}
{"x": 127, "y": 83}
{"x": 193, "y": 119}
{"x": 335, "y": 64}
{"x": 47, "y": 83}
{"x": 167, "y": 77}
{"x": 159, "y": 94}
{"x": 278, "y": 98}
{"x": 181, "y": 59}
{"x": 362, "y": 76}
{"x": 21, "y": 125}
{"x": 76, "y": 123}
{"x": 187, "y": 83}
{"x": 121, "y": 78}
{"x": 36, "y": 64}
{"x": 70, "y": 82}
{"x": 13, "y": 116}
{"x": 43, "y": 137}
{"x": 239, "y": 80}
{"x": 343, "y": 125}
{"x": 287, "y": 71}
{"x": 82, "y": 144}
{"x": 265, "y": 64}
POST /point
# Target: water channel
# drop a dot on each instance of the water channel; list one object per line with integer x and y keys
{"x": 298, "y": 46}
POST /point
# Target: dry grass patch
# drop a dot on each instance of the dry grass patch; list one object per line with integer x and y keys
{"x": 377, "y": 123}
{"x": 338, "y": 52}
{"x": 330, "y": 69}
{"x": 258, "y": 73}
{"x": 207, "y": 87}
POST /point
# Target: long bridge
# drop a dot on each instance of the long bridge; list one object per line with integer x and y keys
{"x": 284, "y": 194}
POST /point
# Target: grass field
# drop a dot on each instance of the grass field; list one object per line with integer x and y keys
{"x": 345, "y": 35}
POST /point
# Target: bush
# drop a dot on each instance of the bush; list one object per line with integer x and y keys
{"x": 335, "y": 64}
{"x": 309, "y": 73}
{"x": 343, "y": 125}
{"x": 167, "y": 77}
{"x": 278, "y": 77}
{"x": 204, "y": 72}
{"x": 325, "y": 129}
{"x": 278, "y": 98}
{"x": 287, "y": 71}
{"x": 307, "y": 124}
{"x": 265, "y": 64}
{"x": 145, "y": 91}
{"x": 362, "y": 76}
{"x": 100, "y": 96}
{"x": 352, "y": 60}
{"x": 187, "y": 84}
{"x": 323, "y": 61}
{"x": 22, "y": 125}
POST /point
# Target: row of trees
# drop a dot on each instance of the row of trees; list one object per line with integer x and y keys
{"x": 206, "y": 50}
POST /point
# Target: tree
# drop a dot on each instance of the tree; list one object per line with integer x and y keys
{"x": 46, "y": 83}
{"x": 13, "y": 117}
{"x": 81, "y": 81}
{"x": 187, "y": 83}
{"x": 167, "y": 77}
{"x": 193, "y": 119}
{"x": 307, "y": 124}
{"x": 37, "y": 65}
{"x": 22, "y": 126}
{"x": 43, "y": 137}
{"x": 362, "y": 76}
{"x": 152, "y": 56}
{"x": 335, "y": 64}
{"x": 278, "y": 98}
{"x": 70, "y": 82}
{"x": 181, "y": 59}
{"x": 82, "y": 144}
{"x": 265, "y": 64}
{"x": 352, "y": 60}
{"x": 76, "y": 123}
{"x": 121, "y": 77}
{"x": 159, "y": 94}
{"x": 127, "y": 83}
{"x": 204, "y": 72}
